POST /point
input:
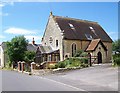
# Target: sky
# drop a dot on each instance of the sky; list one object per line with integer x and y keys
{"x": 30, "y": 18}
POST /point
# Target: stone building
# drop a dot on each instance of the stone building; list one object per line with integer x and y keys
{"x": 68, "y": 35}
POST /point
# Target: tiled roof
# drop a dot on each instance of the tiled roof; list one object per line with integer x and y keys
{"x": 93, "y": 44}
{"x": 75, "y": 29}
{"x": 47, "y": 49}
{"x": 32, "y": 47}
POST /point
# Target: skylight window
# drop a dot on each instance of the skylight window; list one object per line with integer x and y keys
{"x": 71, "y": 25}
{"x": 88, "y": 36}
{"x": 91, "y": 28}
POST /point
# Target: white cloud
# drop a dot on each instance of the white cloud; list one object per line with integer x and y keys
{"x": 2, "y": 37}
{"x": 19, "y": 31}
{"x": 36, "y": 38}
{"x": 2, "y": 4}
{"x": 3, "y": 14}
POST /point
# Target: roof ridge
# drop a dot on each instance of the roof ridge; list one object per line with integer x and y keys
{"x": 75, "y": 19}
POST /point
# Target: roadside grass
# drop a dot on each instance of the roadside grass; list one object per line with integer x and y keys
{"x": 7, "y": 68}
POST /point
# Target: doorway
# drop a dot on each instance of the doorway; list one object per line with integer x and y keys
{"x": 99, "y": 57}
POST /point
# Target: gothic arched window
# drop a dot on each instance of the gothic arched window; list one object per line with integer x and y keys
{"x": 73, "y": 49}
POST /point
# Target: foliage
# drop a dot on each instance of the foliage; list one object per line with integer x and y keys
{"x": 78, "y": 53}
{"x": 73, "y": 62}
{"x": 8, "y": 64}
{"x": 29, "y": 56}
{"x": 16, "y": 48}
{"x": 116, "y": 46}
{"x": 61, "y": 64}
{"x": 116, "y": 60}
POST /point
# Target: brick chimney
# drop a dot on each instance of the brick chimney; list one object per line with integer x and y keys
{"x": 33, "y": 41}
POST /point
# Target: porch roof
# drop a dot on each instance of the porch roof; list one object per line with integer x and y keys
{"x": 47, "y": 50}
{"x": 94, "y": 43}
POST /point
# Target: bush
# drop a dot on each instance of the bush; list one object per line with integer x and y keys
{"x": 117, "y": 61}
{"x": 76, "y": 62}
{"x": 8, "y": 64}
{"x": 116, "y": 55}
{"x": 62, "y": 64}
{"x": 84, "y": 60}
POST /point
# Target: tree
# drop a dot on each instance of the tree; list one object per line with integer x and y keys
{"x": 29, "y": 56}
{"x": 116, "y": 45}
{"x": 16, "y": 49}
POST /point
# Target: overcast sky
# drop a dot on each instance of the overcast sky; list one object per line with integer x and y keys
{"x": 30, "y": 18}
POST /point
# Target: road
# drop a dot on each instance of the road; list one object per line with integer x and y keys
{"x": 14, "y": 81}
{"x": 98, "y": 78}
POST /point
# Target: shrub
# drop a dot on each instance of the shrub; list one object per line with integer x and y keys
{"x": 62, "y": 64}
{"x": 79, "y": 52}
{"x": 84, "y": 60}
{"x": 116, "y": 61}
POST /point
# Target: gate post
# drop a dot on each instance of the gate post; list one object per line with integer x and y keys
{"x": 23, "y": 66}
{"x": 33, "y": 66}
{"x": 19, "y": 66}
{"x": 89, "y": 57}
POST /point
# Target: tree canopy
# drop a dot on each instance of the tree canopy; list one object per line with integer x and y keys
{"x": 29, "y": 56}
{"x": 16, "y": 48}
{"x": 116, "y": 46}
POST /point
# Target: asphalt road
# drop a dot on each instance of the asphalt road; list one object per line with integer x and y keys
{"x": 97, "y": 78}
{"x": 14, "y": 81}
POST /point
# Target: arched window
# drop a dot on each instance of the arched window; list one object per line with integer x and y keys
{"x": 73, "y": 49}
{"x": 56, "y": 43}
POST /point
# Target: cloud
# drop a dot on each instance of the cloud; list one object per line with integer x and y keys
{"x": 2, "y": 37}
{"x": 19, "y": 31}
{"x": 2, "y": 4}
{"x": 3, "y": 14}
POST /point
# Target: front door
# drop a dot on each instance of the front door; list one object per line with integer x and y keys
{"x": 99, "y": 57}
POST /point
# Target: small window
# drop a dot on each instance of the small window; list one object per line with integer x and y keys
{"x": 88, "y": 36}
{"x": 56, "y": 43}
{"x": 91, "y": 28}
{"x": 73, "y": 49}
{"x": 71, "y": 25}
{"x": 50, "y": 39}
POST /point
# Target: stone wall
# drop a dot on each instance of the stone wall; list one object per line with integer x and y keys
{"x": 80, "y": 45}
{"x": 53, "y": 31}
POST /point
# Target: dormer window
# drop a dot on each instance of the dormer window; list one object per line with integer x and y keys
{"x": 91, "y": 28}
{"x": 88, "y": 36}
{"x": 71, "y": 25}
